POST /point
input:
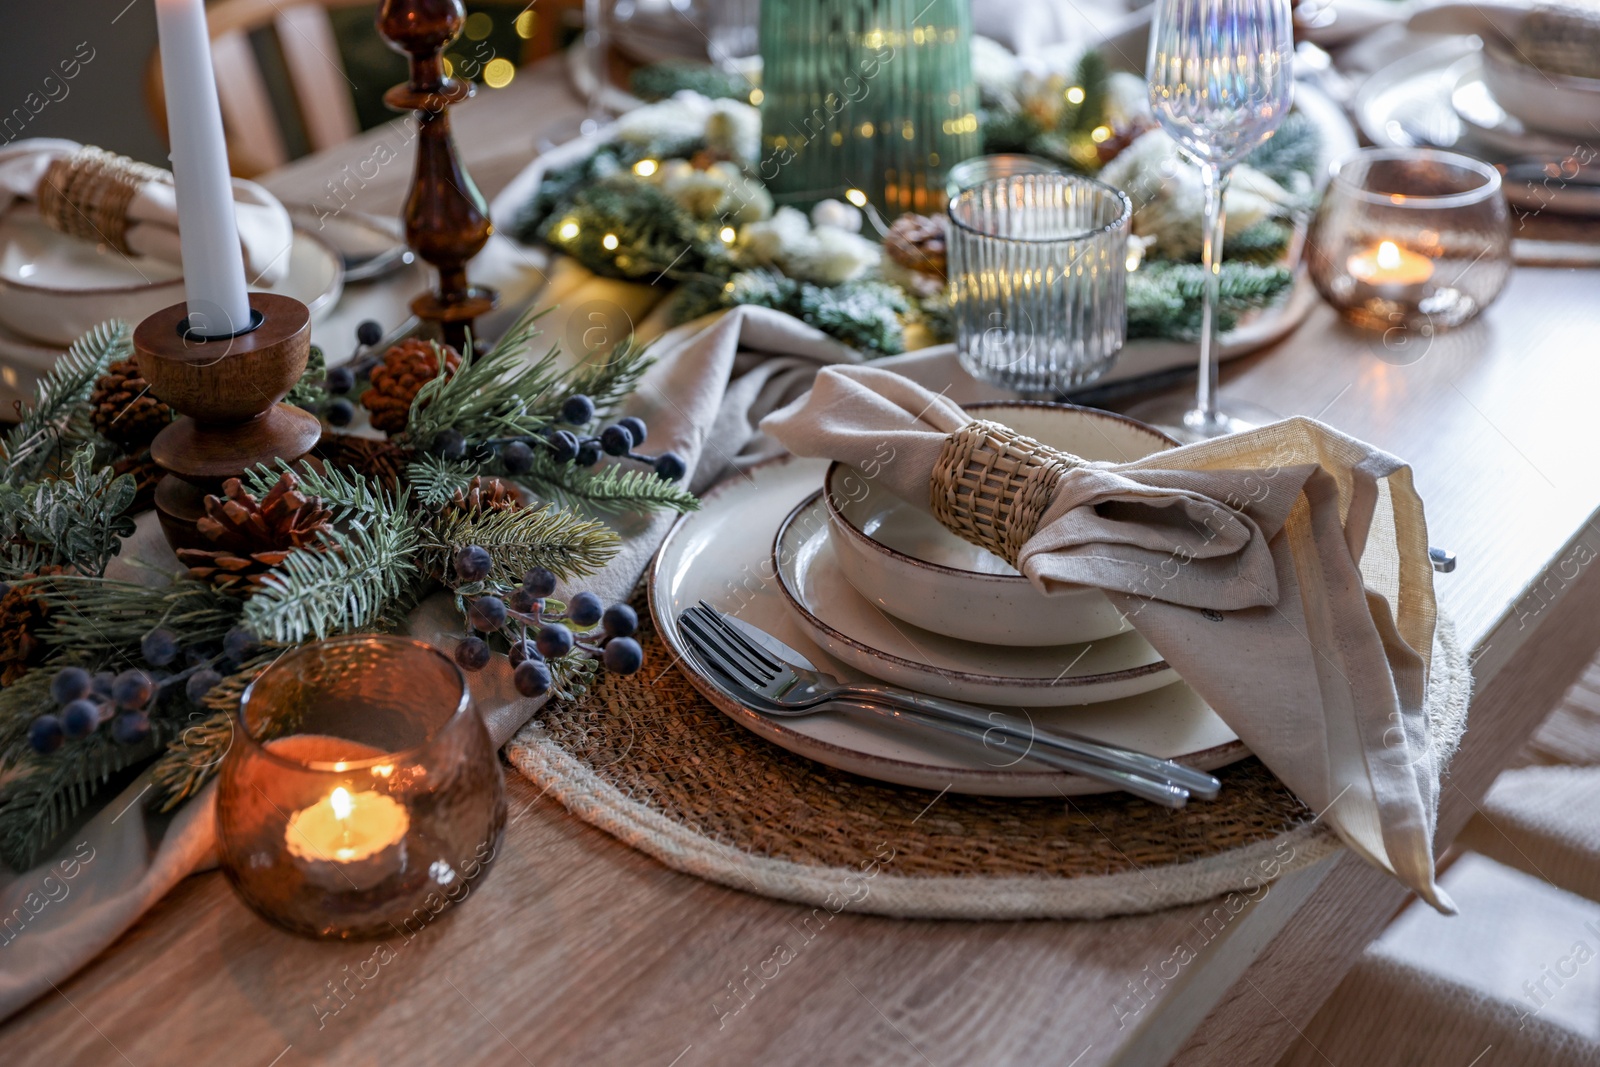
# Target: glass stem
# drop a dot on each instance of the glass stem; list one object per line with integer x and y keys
{"x": 1215, "y": 181}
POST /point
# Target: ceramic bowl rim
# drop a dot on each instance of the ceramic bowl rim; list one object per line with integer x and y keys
{"x": 1003, "y": 680}
{"x": 838, "y": 518}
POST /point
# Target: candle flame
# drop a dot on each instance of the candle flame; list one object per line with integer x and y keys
{"x": 1388, "y": 255}
{"x": 340, "y": 801}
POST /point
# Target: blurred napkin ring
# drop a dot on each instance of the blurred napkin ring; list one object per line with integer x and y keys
{"x": 87, "y": 194}
{"x": 991, "y": 485}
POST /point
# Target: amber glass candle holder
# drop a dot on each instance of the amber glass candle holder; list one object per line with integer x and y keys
{"x": 361, "y": 796}
{"x": 1409, "y": 238}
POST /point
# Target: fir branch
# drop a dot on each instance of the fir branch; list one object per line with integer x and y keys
{"x": 56, "y": 419}
{"x": 436, "y": 481}
{"x": 47, "y": 792}
{"x": 605, "y": 378}
{"x": 1164, "y": 298}
{"x": 194, "y": 754}
{"x": 21, "y": 703}
{"x": 1294, "y": 149}
{"x": 610, "y": 490}
{"x": 347, "y": 495}
{"x": 657, "y": 81}
{"x": 572, "y": 675}
{"x": 348, "y": 584}
{"x": 490, "y": 395}
{"x": 99, "y": 619}
{"x": 519, "y": 539}
{"x": 311, "y": 389}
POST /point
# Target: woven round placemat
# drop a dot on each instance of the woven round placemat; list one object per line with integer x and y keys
{"x": 649, "y": 760}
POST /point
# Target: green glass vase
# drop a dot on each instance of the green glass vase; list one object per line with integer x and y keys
{"x": 868, "y": 95}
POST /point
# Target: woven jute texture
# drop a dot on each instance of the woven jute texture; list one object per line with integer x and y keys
{"x": 992, "y": 485}
{"x": 650, "y": 761}
{"x": 87, "y": 194}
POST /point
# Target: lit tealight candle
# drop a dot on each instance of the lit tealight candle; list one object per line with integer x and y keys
{"x": 1388, "y": 266}
{"x": 355, "y": 839}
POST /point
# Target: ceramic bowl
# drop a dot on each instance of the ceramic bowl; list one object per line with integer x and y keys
{"x": 55, "y": 288}
{"x": 900, "y": 558}
{"x": 1555, "y": 103}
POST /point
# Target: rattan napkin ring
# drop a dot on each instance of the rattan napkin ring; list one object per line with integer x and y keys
{"x": 992, "y": 485}
{"x": 87, "y": 194}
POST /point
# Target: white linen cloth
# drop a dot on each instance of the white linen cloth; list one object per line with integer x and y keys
{"x": 265, "y": 230}
{"x": 1284, "y": 572}
{"x": 712, "y": 382}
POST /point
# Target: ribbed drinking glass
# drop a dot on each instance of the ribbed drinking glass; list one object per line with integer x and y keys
{"x": 1221, "y": 81}
{"x": 1038, "y": 279}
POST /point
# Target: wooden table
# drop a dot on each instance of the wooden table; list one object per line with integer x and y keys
{"x": 579, "y": 950}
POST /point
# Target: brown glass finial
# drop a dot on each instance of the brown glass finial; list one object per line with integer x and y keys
{"x": 447, "y": 221}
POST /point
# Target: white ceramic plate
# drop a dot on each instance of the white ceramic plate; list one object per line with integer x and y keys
{"x": 1436, "y": 97}
{"x": 855, "y": 631}
{"x": 722, "y": 554}
{"x": 53, "y": 288}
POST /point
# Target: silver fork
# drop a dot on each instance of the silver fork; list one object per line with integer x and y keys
{"x": 797, "y": 685}
{"x": 732, "y": 656}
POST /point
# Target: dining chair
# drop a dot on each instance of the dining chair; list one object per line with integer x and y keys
{"x": 316, "y": 74}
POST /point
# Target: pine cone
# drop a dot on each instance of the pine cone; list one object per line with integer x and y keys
{"x": 1123, "y": 136}
{"x": 125, "y": 412}
{"x": 395, "y": 381}
{"x": 145, "y": 476}
{"x": 381, "y": 461}
{"x": 917, "y": 242}
{"x": 487, "y": 494}
{"x": 254, "y": 536}
{"x": 21, "y": 618}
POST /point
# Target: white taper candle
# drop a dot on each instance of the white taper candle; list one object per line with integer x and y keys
{"x": 213, "y": 263}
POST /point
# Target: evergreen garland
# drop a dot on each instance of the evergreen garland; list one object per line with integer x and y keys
{"x": 1164, "y": 298}
{"x": 657, "y": 81}
{"x": 62, "y": 517}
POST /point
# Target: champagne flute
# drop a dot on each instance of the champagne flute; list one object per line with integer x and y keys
{"x": 1221, "y": 80}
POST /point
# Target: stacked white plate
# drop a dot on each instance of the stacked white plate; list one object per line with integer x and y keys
{"x": 867, "y": 586}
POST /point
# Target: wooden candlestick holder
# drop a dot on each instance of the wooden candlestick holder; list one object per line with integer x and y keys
{"x": 228, "y": 392}
{"x": 447, "y": 221}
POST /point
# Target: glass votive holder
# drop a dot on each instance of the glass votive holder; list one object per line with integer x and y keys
{"x": 970, "y": 172}
{"x": 361, "y": 796}
{"x": 1410, "y": 238}
{"x": 1038, "y": 269}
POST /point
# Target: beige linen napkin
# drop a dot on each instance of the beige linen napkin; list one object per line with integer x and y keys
{"x": 1284, "y": 572}
{"x": 713, "y": 381}
{"x": 265, "y": 230}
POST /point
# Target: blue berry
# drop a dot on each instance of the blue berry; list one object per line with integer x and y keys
{"x": 159, "y": 647}
{"x": 578, "y": 410}
{"x": 69, "y": 684}
{"x": 473, "y": 563}
{"x": 80, "y": 718}
{"x": 555, "y": 641}
{"x": 670, "y": 467}
{"x": 516, "y": 457}
{"x": 541, "y": 581}
{"x": 473, "y": 654}
{"x": 200, "y": 683}
{"x": 523, "y": 602}
{"x": 487, "y": 613}
{"x": 369, "y": 332}
{"x": 563, "y": 446}
{"x": 532, "y": 678}
{"x": 46, "y": 734}
{"x": 132, "y": 689}
{"x": 130, "y": 727}
{"x": 340, "y": 380}
{"x": 620, "y": 621}
{"x": 239, "y": 644}
{"x": 101, "y": 686}
{"x": 449, "y": 444}
{"x": 340, "y": 412}
{"x": 585, "y": 609}
{"x": 622, "y": 655}
{"x": 523, "y": 650}
{"x": 588, "y": 452}
{"x": 616, "y": 440}
{"x": 636, "y": 427}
